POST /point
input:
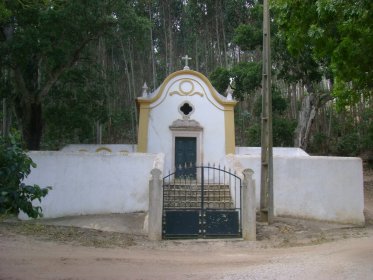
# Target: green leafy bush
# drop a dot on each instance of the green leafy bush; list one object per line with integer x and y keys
{"x": 253, "y": 135}
{"x": 319, "y": 144}
{"x": 283, "y": 132}
{"x": 348, "y": 145}
{"x": 15, "y": 166}
{"x": 220, "y": 79}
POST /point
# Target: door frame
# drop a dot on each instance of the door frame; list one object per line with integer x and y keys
{"x": 189, "y": 134}
{"x": 187, "y": 128}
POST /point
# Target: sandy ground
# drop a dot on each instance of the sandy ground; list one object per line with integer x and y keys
{"x": 288, "y": 249}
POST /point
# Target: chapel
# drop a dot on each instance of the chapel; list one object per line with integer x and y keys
{"x": 187, "y": 120}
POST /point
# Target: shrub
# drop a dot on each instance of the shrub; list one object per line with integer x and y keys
{"x": 348, "y": 145}
{"x": 253, "y": 136}
{"x": 15, "y": 166}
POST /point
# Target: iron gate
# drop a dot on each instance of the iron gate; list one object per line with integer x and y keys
{"x": 201, "y": 202}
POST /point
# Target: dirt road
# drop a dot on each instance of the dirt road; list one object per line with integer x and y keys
{"x": 25, "y": 258}
{"x": 287, "y": 250}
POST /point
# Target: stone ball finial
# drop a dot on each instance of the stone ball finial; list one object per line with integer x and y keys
{"x": 145, "y": 90}
{"x": 229, "y": 93}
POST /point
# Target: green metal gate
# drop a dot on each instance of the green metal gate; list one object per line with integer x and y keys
{"x": 201, "y": 202}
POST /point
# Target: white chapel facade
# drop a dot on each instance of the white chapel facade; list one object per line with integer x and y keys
{"x": 187, "y": 120}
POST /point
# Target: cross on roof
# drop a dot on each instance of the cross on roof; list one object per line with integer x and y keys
{"x": 186, "y": 58}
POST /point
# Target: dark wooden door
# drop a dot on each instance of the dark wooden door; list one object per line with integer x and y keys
{"x": 185, "y": 156}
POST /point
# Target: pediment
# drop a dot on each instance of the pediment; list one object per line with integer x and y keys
{"x": 187, "y": 83}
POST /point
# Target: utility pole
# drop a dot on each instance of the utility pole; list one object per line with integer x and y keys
{"x": 266, "y": 187}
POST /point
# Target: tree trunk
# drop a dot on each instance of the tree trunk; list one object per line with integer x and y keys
{"x": 130, "y": 100}
{"x": 165, "y": 40}
{"x": 133, "y": 96}
{"x": 311, "y": 104}
{"x": 293, "y": 103}
{"x": 171, "y": 45}
{"x": 217, "y": 34}
{"x": 32, "y": 124}
{"x": 98, "y": 132}
{"x": 5, "y": 123}
{"x": 224, "y": 37}
{"x": 196, "y": 56}
{"x": 154, "y": 74}
{"x": 306, "y": 118}
{"x": 28, "y": 109}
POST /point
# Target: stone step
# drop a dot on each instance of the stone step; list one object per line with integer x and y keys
{"x": 197, "y": 194}
{"x": 194, "y": 204}
{"x": 189, "y": 196}
{"x": 196, "y": 186}
{"x": 196, "y": 189}
{"x": 197, "y": 197}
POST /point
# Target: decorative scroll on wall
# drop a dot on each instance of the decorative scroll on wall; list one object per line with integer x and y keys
{"x": 186, "y": 88}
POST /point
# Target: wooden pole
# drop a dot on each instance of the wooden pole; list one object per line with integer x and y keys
{"x": 266, "y": 194}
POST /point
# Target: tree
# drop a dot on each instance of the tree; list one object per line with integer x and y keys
{"x": 41, "y": 40}
{"x": 297, "y": 65}
{"x": 246, "y": 78}
{"x": 220, "y": 79}
{"x": 338, "y": 35}
{"x": 15, "y": 166}
{"x": 73, "y": 107}
{"x": 283, "y": 128}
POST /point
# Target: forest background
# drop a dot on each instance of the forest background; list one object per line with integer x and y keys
{"x": 71, "y": 70}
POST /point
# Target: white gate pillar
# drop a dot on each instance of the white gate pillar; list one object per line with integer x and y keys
{"x": 155, "y": 206}
{"x": 248, "y": 206}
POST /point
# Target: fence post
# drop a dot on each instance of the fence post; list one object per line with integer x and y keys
{"x": 155, "y": 206}
{"x": 248, "y": 206}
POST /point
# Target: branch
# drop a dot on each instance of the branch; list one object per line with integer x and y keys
{"x": 58, "y": 72}
{"x": 21, "y": 85}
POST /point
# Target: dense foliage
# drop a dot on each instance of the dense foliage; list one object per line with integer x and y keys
{"x": 339, "y": 36}
{"x": 71, "y": 70}
{"x": 15, "y": 166}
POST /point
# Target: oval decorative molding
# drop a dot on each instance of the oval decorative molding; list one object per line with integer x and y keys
{"x": 186, "y": 88}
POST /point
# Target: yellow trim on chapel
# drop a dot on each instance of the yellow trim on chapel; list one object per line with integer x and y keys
{"x": 187, "y": 72}
{"x": 230, "y": 142}
{"x": 142, "y": 137}
{"x": 144, "y": 106}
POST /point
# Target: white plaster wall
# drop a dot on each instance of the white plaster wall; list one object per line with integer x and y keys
{"x": 206, "y": 111}
{"x": 93, "y": 183}
{"x": 277, "y": 151}
{"x": 322, "y": 188}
